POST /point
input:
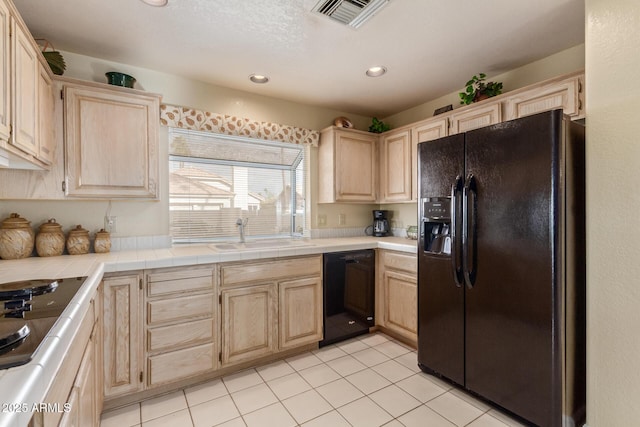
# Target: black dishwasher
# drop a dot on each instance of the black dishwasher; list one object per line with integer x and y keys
{"x": 348, "y": 294}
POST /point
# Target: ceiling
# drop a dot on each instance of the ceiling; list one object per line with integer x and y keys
{"x": 431, "y": 48}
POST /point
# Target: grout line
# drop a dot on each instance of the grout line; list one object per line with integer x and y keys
{"x": 326, "y": 364}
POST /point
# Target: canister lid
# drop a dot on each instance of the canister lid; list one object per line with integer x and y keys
{"x": 51, "y": 225}
{"x": 102, "y": 233}
{"x": 78, "y": 231}
{"x": 14, "y": 221}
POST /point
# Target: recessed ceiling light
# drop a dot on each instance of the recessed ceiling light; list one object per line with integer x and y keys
{"x": 158, "y": 3}
{"x": 258, "y": 78}
{"x": 376, "y": 71}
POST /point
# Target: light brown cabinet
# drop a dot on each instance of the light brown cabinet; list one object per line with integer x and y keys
{"x": 565, "y": 93}
{"x": 395, "y": 166}
{"x": 269, "y": 306}
{"x": 45, "y": 131}
{"x": 111, "y": 141}
{"x": 488, "y": 113}
{"x": 181, "y": 326}
{"x": 300, "y": 312}
{"x": 347, "y": 166}
{"x": 26, "y": 108}
{"x": 248, "y": 322}
{"x": 122, "y": 335}
{"x": 397, "y": 294}
{"x": 5, "y": 73}
{"x": 24, "y": 59}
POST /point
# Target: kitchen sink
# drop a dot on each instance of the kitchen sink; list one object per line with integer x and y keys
{"x": 261, "y": 244}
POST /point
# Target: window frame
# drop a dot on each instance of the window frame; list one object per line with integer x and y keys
{"x": 301, "y": 158}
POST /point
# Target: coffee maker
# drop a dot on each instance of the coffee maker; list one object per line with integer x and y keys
{"x": 380, "y": 223}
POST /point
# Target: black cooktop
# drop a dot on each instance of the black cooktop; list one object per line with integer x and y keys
{"x": 28, "y": 310}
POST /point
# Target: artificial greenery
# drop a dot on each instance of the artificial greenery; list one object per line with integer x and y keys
{"x": 378, "y": 126}
{"x": 476, "y": 89}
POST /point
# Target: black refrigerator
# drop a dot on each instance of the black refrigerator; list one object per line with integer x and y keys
{"x": 501, "y": 265}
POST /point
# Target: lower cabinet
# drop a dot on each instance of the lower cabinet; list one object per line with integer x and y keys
{"x": 300, "y": 312}
{"x": 181, "y": 327}
{"x": 174, "y": 325}
{"x": 397, "y": 294}
{"x": 268, "y": 306}
{"x": 248, "y": 322}
{"x": 122, "y": 335}
{"x": 77, "y": 388}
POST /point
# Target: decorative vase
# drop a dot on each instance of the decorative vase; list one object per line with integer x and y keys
{"x": 102, "y": 243}
{"x": 50, "y": 239}
{"x": 78, "y": 241}
{"x": 120, "y": 79}
{"x": 16, "y": 238}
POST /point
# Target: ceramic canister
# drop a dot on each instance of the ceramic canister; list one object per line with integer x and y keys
{"x": 102, "y": 244}
{"x": 50, "y": 239}
{"x": 78, "y": 241}
{"x": 16, "y": 238}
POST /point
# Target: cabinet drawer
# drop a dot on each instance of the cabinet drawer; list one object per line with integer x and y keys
{"x": 180, "y": 335}
{"x": 234, "y": 274}
{"x": 397, "y": 261}
{"x": 179, "y": 281}
{"x": 176, "y": 365}
{"x": 168, "y": 310}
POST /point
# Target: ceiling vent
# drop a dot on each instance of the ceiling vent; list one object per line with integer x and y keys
{"x": 353, "y": 13}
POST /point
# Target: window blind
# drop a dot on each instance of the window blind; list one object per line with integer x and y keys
{"x": 215, "y": 179}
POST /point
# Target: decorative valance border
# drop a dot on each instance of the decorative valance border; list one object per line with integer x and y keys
{"x": 190, "y": 118}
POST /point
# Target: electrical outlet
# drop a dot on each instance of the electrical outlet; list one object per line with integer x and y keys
{"x": 110, "y": 224}
{"x": 321, "y": 220}
{"x": 342, "y": 219}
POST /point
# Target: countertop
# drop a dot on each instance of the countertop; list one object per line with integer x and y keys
{"x": 27, "y": 385}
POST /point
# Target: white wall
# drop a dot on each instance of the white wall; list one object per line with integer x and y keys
{"x": 613, "y": 205}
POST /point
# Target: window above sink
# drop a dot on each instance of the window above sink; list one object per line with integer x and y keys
{"x": 215, "y": 180}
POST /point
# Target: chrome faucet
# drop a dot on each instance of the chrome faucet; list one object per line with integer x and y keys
{"x": 241, "y": 225}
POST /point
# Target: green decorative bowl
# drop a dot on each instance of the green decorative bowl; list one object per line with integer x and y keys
{"x": 120, "y": 79}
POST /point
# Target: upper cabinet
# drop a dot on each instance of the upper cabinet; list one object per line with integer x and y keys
{"x": 347, "y": 166}
{"x": 26, "y": 103}
{"x": 476, "y": 116}
{"x": 395, "y": 166}
{"x": 111, "y": 141}
{"x": 565, "y": 93}
{"x": 5, "y": 91}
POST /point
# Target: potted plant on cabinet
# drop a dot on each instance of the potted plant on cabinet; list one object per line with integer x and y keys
{"x": 378, "y": 126}
{"x": 477, "y": 90}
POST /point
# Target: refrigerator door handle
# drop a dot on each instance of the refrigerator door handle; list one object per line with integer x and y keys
{"x": 469, "y": 239}
{"x": 456, "y": 252}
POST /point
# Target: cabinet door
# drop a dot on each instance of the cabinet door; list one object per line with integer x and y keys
{"x": 476, "y": 117}
{"x": 5, "y": 88}
{"x": 400, "y": 295}
{"x": 300, "y": 312}
{"x": 564, "y": 94}
{"x": 45, "y": 123}
{"x": 111, "y": 143}
{"x": 86, "y": 386}
{"x": 421, "y": 132}
{"x": 395, "y": 165}
{"x": 248, "y": 323}
{"x": 25, "y": 91}
{"x": 122, "y": 340}
{"x": 355, "y": 169}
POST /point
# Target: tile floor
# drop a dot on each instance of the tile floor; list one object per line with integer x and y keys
{"x": 367, "y": 381}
